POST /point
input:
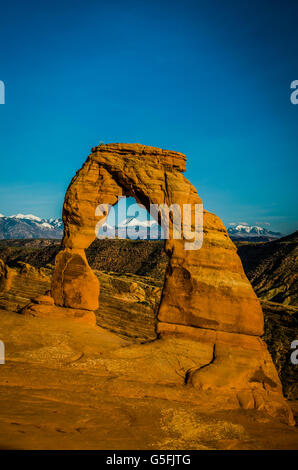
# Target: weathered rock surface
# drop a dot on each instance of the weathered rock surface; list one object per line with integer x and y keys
{"x": 143, "y": 262}
{"x": 205, "y": 293}
{"x": 44, "y": 309}
{"x": 206, "y": 288}
{"x": 128, "y": 305}
{"x": 74, "y": 284}
{"x": 281, "y": 328}
{"x": 22, "y": 283}
{"x": 72, "y": 386}
{"x": 272, "y": 268}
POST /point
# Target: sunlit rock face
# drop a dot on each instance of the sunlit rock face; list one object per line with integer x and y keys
{"x": 204, "y": 288}
{"x": 206, "y": 296}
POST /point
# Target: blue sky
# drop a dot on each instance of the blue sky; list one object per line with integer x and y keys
{"x": 208, "y": 78}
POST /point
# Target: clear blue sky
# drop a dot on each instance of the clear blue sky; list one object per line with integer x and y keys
{"x": 208, "y": 78}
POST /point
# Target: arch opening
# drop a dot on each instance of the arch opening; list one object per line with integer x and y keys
{"x": 130, "y": 262}
{"x": 128, "y": 219}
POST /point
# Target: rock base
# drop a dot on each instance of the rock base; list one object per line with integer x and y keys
{"x": 234, "y": 364}
{"x": 44, "y": 307}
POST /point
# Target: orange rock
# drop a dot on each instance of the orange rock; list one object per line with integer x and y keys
{"x": 18, "y": 285}
{"x": 43, "y": 299}
{"x": 59, "y": 313}
{"x": 74, "y": 284}
{"x": 205, "y": 288}
{"x": 206, "y": 292}
{"x": 208, "y": 287}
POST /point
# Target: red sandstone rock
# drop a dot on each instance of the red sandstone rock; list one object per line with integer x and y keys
{"x": 43, "y": 310}
{"x": 206, "y": 293}
{"x": 205, "y": 288}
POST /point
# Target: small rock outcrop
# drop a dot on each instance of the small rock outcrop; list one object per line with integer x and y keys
{"x": 44, "y": 307}
{"x": 19, "y": 284}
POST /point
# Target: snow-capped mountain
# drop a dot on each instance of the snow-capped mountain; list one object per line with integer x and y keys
{"x": 29, "y": 226}
{"x": 132, "y": 228}
{"x": 133, "y": 222}
{"x": 246, "y": 232}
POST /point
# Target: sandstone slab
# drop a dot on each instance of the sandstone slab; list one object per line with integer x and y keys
{"x": 43, "y": 310}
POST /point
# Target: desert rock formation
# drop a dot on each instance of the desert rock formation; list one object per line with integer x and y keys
{"x": 19, "y": 284}
{"x": 206, "y": 293}
{"x": 204, "y": 288}
{"x": 206, "y": 296}
{"x": 122, "y": 264}
{"x": 72, "y": 386}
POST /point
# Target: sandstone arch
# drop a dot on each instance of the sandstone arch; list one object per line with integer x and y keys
{"x": 215, "y": 293}
{"x": 206, "y": 295}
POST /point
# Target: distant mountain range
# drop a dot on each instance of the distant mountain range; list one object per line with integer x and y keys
{"x": 133, "y": 228}
{"x": 244, "y": 232}
{"x": 29, "y": 226}
{"x": 150, "y": 229}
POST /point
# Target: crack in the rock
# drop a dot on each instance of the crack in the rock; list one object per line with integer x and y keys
{"x": 189, "y": 373}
